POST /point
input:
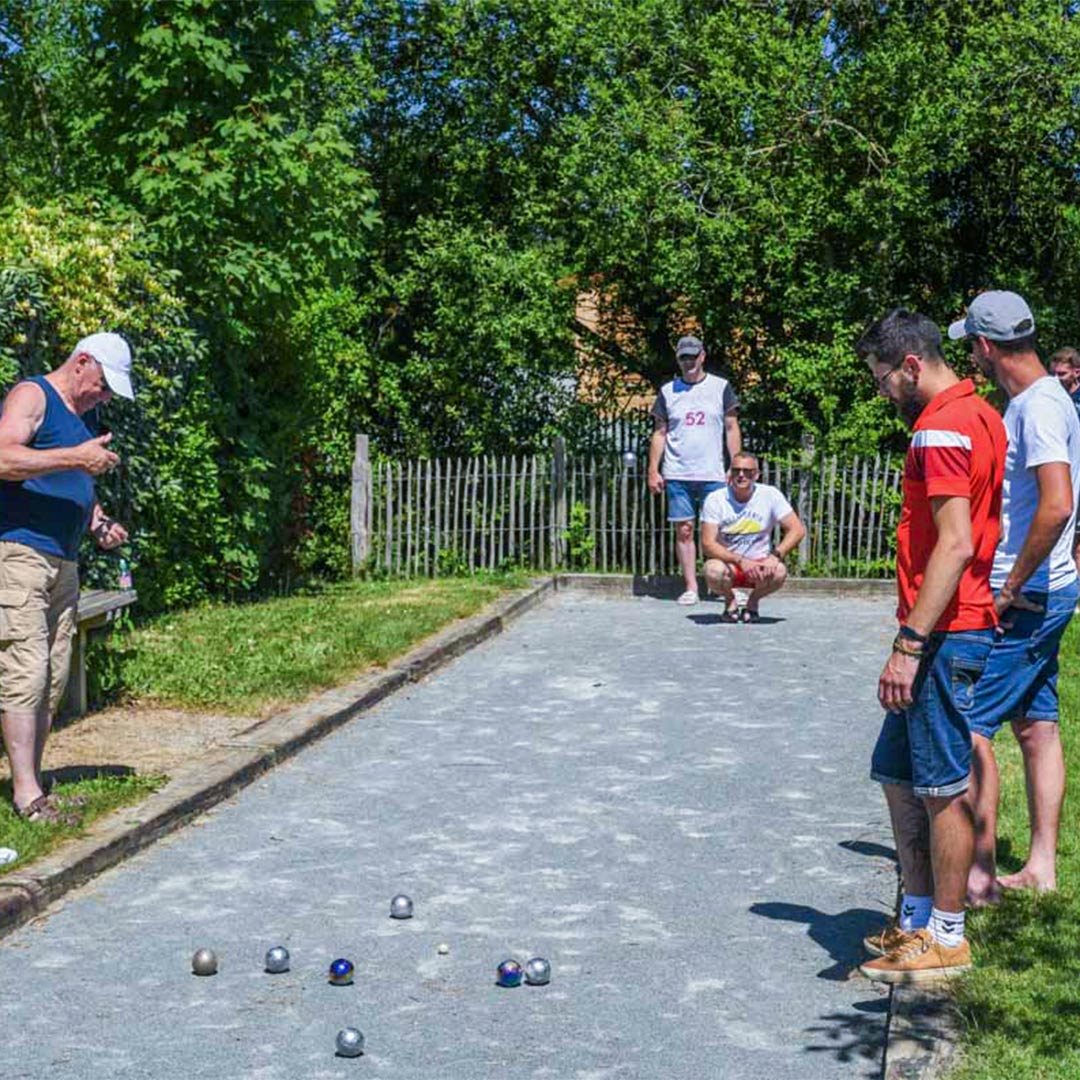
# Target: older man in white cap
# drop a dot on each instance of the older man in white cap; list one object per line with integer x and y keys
{"x": 1034, "y": 579}
{"x": 48, "y": 460}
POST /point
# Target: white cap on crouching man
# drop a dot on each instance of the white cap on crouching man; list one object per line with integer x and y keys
{"x": 112, "y": 353}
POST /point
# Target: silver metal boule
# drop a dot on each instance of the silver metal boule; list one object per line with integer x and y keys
{"x": 537, "y": 971}
{"x": 204, "y": 962}
{"x": 277, "y": 960}
{"x": 629, "y": 459}
{"x": 401, "y": 907}
{"x": 350, "y": 1042}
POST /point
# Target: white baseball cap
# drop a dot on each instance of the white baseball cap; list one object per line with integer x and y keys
{"x": 112, "y": 353}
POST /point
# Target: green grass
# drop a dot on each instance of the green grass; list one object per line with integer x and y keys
{"x": 103, "y": 794}
{"x": 1022, "y": 1001}
{"x": 248, "y": 658}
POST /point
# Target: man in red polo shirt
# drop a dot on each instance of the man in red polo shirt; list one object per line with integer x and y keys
{"x": 948, "y": 530}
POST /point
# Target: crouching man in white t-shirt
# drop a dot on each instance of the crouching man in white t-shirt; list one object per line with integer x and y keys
{"x": 737, "y": 523}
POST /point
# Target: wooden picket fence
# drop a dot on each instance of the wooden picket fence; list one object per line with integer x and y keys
{"x": 545, "y": 512}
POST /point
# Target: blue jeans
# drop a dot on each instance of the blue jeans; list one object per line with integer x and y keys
{"x": 927, "y": 747}
{"x": 1020, "y": 680}
{"x": 685, "y": 497}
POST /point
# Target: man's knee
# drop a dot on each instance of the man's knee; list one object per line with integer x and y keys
{"x": 1031, "y": 734}
{"x": 717, "y": 574}
{"x": 780, "y": 576}
{"x": 684, "y": 530}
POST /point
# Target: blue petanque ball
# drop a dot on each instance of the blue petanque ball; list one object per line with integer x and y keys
{"x": 350, "y": 1042}
{"x": 401, "y": 907}
{"x": 277, "y": 960}
{"x": 341, "y": 972}
{"x": 508, "y": 973}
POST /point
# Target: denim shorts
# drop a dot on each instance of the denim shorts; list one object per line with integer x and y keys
{"x": 1020, "y": 680}
{"x": 927, "y": 747}
{"x": 685, "y": 497}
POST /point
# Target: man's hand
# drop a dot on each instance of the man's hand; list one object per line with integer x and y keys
{"x": 96, "y": 459}
{"x": 754, "y": 570}
{"x": 1006, "y": 599}
{"x": 110, "y": 534}
{"x": 656, "y": 482}
{"x": 896, "y": 682}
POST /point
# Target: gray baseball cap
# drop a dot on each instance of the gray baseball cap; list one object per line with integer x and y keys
{"x": 688, "y": 346}
{"x": 999, "y": 316}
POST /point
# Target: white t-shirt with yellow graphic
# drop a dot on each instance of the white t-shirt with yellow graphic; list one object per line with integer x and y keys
{"x": 746, "y": 527}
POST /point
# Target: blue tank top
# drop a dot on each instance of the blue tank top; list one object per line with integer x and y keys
{"x": 50, "y": 513}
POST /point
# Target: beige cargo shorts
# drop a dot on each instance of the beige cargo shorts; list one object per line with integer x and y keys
{"x": 39, "y": 599}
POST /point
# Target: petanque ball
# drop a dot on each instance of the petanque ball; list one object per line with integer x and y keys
{"x": 204, "y": 962}
{"x": 537, "y": 971}
{"x": 350, "y": 1042}
{"x": 277, "y": 960}
{"x": 401, "y": 907}
{"x": 341, "y": 972}
{"x": 508, "y": 973}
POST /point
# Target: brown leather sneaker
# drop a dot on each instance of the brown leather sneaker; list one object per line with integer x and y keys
{"x": 886, "y": 941}
{"x": 919, "y": 959}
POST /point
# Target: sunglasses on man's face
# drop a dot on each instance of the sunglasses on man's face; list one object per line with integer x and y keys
{"x": 743, "y": 472}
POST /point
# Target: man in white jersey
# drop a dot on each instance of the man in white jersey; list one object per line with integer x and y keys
{"x": 1034, "y": 578}
{"x": 737, "y": 523}
{"x": 694, "y": 415}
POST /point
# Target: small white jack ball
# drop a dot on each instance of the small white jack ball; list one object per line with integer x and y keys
{"x": 443, "y": 948}
{"x": 350, "y": 1042}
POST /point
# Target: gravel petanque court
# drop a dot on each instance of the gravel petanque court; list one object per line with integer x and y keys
{"x": 674, "y": 811}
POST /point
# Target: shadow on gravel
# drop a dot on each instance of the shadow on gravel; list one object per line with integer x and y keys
{"x": 858, "y": 1036}
{"x": 839, "y": 935}
{"x": 865, "y": 847}
{"x": 712, "y": 620}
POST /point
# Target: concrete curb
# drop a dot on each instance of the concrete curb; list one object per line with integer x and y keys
{"x": 218, "y": 775}
{"x": 668, "y": 586}
{"x": 924, "y": 1029}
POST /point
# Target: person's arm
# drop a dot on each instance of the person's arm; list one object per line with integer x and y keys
{"x": 793, "y": 531}
{"x": 1052, "y": 515}
{"x": 107, "y": 533}
{"x": 952, "y": 553}
{"x": 23, "y": 413}
{"x": 732, "y": 433}
{"x": 656, "y": 453}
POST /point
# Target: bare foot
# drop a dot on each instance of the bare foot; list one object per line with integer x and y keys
{"x": 982, "y": 888}
{"x": 1028, "y": 879}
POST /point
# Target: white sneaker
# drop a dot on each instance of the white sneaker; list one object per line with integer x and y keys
{"x": 688, "y": 598}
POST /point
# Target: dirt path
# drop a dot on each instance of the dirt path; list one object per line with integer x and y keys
{"x": 142, "y": 738}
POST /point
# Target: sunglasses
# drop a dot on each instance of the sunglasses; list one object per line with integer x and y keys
{"x": 742, "y": 471}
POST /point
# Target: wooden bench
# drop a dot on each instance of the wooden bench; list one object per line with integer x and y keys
{"x": 97, "y": 608}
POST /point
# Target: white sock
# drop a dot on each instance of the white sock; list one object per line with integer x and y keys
{"x": 915, "y": 912}
{"x": 947, "y": 927}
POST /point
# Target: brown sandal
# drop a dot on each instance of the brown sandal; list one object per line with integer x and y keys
{"x": 41, "y": 810}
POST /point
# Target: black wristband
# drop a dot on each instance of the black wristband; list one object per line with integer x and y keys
{"x": 913, "y": 635}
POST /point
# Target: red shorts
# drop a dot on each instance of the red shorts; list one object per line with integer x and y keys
{"x": 738, "y": 578}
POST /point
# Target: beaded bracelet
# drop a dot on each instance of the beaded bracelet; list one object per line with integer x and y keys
{"x": 903, "y": 647}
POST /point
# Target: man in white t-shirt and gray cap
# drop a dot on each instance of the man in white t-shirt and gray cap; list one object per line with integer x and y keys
{"x": 49, "y": 457}
{"x": 1034, "y": 579}
{"x": 694, "y": 416}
